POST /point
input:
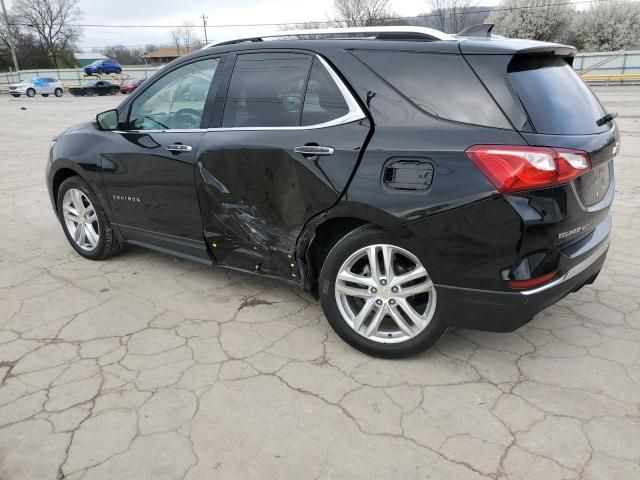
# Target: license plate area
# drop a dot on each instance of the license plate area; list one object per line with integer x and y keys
{"x": 593, "y": 186}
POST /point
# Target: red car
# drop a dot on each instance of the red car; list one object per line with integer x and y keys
{"x": 130, "y": 85}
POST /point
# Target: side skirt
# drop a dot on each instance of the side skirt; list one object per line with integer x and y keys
{"x": 186, "y": 248}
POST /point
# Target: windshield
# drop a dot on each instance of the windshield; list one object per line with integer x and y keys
{"x": 90, "y": 83}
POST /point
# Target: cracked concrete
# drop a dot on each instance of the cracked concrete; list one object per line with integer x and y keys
{"x": 147, "y": 367}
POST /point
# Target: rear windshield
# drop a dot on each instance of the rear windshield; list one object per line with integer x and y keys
{"x": 441, "y": 85}
{"x": 557, "y": 101}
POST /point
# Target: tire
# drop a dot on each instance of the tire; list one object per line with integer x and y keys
{"x": 118, "y": 71}
{"x": 45, "y": 95}
{"x": 31, "y": 93}
{"x": 58, "y": 92}
{"x": 108, "y": 243}
{"x": 388, "y": 341}
{"x": 100, "y": 71}
{"x": 16, "y": 95}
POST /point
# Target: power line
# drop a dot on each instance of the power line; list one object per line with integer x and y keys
{"x": 285, "y": 24}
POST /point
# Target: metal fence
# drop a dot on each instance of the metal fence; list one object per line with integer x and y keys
{"x": 72, "y": 77}
{"x": 600, "y": 68}
{"x": 609, "y": 68}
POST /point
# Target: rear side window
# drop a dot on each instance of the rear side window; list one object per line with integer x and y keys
{"x": 441, "y": 85}
{"x": 266, "y": 90}
{"x": 323, "y": 101}
{"x": 555, "y": 98}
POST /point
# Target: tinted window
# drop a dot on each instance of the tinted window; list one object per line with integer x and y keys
{"x": 441, "y": 85}
{"x": 556, "y": 99}
{"x": 176, "y": 100}
{"x": 266, "y": 90}
{"x": 323, "y": 101}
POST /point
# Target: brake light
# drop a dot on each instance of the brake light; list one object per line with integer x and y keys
{"x": 513, "y": 168}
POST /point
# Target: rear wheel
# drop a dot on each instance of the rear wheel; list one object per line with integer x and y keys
{"x": 118, "y": 71}
{"x": 58, "y": 92}
{"x": 31, "y": 92}
{"x": 378, "y": 296}
{"x": 84, "y": 221}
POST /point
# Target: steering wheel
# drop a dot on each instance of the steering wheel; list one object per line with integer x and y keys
{"x": 186, "y": 118}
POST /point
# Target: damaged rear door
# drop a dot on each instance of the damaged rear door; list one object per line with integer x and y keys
{"x": 282, "y": 152}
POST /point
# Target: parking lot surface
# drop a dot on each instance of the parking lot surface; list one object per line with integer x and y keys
{"x": 148, "y": 367}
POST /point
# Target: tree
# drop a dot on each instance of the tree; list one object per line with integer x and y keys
{"x": 362, "y": 13}
{"x": 176, "y": 39}
{"x": 52, "y": 21}
{"x": 187, "y": 33}
{"x": 612, "y": 25}
{"x": 124, "y": 55}
{"x": 546, "y": 20}
{"x": 451, "y": 15}
{"x": 184, "y": 36}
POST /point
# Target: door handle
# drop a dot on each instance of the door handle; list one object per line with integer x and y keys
{"x": 314, "y": 150}
{"x": 179, "y": 148}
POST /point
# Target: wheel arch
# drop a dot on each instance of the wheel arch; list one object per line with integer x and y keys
{"x": 58, "y": 177}
{"x": 320, "y": 239}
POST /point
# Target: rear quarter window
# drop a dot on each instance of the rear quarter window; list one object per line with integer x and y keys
{"x": 557, "y": 101}
{"x": 441, "y": 85}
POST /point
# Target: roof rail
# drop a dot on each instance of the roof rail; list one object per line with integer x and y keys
{"x": 388, "y": 33}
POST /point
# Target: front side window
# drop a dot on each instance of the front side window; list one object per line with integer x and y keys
{"x": 266, "y": 90}
{"x": 177, "y": 100}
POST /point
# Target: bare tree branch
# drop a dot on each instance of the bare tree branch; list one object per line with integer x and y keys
{"x": 52, "y": 22}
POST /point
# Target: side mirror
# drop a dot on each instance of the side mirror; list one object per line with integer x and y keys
{"x": 108, "y": 120}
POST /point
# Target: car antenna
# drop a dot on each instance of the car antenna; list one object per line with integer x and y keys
{"x": 479, "y": 30}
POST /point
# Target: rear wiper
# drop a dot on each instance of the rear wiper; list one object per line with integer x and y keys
{"x": 606, "y": 119}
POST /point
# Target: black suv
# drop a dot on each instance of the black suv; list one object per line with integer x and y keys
{"x": 412, "y": 180}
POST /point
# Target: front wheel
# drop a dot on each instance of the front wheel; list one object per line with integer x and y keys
{"x": 58, "y": 92}
{"x": 31, "y": 93}
{"x": 84, "y": 221}
{"x": 100, "y": 71}
{"x": 378, "y": 296}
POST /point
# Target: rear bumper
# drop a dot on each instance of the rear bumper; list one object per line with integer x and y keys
{"x": 499, "y": 311}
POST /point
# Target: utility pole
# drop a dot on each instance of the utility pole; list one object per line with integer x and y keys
{"x": 204, "y": 25}
{"x": 9, "y": 38}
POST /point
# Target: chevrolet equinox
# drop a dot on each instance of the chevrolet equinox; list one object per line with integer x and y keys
{"x": 410, "y": 179}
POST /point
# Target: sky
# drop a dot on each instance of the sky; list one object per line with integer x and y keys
{"x": 172, "y": 12}
{"x": 219, "y": 12}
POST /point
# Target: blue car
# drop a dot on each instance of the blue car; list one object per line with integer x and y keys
{"x": 103, "y": 66}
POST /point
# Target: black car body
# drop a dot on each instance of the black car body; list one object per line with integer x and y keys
{"x": 391, "y": 140}
{"x": 95, "y": 87}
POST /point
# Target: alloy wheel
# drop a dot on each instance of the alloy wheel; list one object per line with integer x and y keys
{"x": 385, "y": 294}
{"x": 80, "y": 219}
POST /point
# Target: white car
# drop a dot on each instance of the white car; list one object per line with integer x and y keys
{"x": 44, "y": 86}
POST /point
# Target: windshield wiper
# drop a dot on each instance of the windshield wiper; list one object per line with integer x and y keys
{"x": 606, "y": 119}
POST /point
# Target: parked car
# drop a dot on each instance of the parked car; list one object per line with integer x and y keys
{"x": 481, "y": 196}
{"x": 130, "y": 85}
{"x": 44, "y": 86}
{"x": 95, "y": 87}
{"x": 103, "y": 66}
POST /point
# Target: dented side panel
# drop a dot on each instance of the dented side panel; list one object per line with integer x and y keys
{"x": 256, "y": 194}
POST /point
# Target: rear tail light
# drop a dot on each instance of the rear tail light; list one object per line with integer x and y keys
{"x": 532, "y": 282}
{"x": 513, "y": 168}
